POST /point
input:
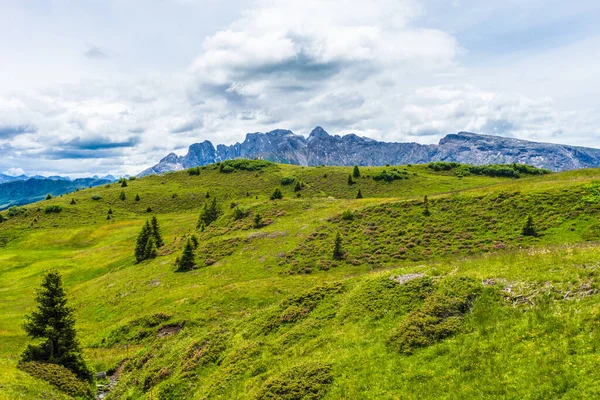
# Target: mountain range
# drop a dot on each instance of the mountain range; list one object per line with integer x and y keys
{"x": 20, "y": 190}
{"x": 320, "y": 147}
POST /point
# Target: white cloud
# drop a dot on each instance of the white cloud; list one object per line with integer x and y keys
{"x": 14, "y": 171}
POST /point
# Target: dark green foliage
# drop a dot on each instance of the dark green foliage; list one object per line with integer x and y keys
{"x": 356, "y": 172}
{"x": 297, "y": 186}
{"x": 73, "y": 202}
{"x": 390, "y": 176}
{"x": 258, "y": 220}
{"x": 3, "y": 218}
{"x": 288, "y": 180}
{"x": 495, "y": 170}
{"x": 15, "y": 211}
{"x": 59, "y": 376}
{"x": 304, "y": 382}
{"x": 108, "y": 217}
{"x": 529, "y": 228}
{"x": 338, "y": 251}
{"x": 195, "y": 241}
{"x": 277, "y": 195}
{"x": 137, "y": 330}
{"x": 124, "y": 183}
{"x": 239, "y": 213}
{"x": 187, "y": 261}
{"x": 439, "y": 317}
{"x": 359, "y": 194}
{"x": 53, "y": 209}
{"x": 426, "y": 211}
{"x": 156, "y": 232}
{"x": 348, "y": 215}
{"x": 132, "y": 178}
{"x": 48, "y": 196}
{"x": 96, "y": 197}
{"x": 149, "y": 209}
{"x": 207, "y": 195}
{"x": 137, "y": 197}
{"x": 350, "y": 180}
{"x": 193, "y": 171}
{"x": 110, "y": 211}
{"x": 122, "y": 196}
{"x": 245, "y": 164}
{"x": 53, "y": 322}
{"x": 209, "y": 213}
{"x": 145, "y": 247}
{"x": 226, "y": 169}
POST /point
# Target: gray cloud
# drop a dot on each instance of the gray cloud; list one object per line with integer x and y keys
{"x": 99, "y": 143}
{"x": 95, "y": 52}
{"x": 11, "y": 131}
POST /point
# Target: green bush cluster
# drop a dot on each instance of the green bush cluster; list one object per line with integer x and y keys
{"x": 15, "y": 211}
{"x": 137, "y": 330}
{"x": 494, "y": 170}
{"x": 308, "y": 381}
{"x": 59, "y": 376}
{"x": 96, "y": 197}
{"x": 288, "y": 180}
{"x": 390, "y": 176}
{"x": 194, "y": 171}
{"x": 53, "y": 209}
{"x": 243, "y": 164}
{"x": 440, "y": 316}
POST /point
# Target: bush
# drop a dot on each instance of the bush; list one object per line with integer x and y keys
{"x": 96, "y": 197}
{"x": 348, "y": 215}
{"x": 288, "y": 180}
{"x": 48, "y": 196}
{"x": 239, "y": 213}
{"x": 194, "y": 171}
{"x": 59, "y": 376}
{"x": 494, "y": 170}
{"x": 132, "y": 178}
{"x": 390, "y": 176}
{"x": 307, "y": 381}
{"x": 277, "y": 195}
{"x": 245, "y": 164}
{"x": 15, "y": 211}
{"x": 53, "y": 209}
{"x": 3, "y": 218}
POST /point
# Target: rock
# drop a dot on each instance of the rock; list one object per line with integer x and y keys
{"x": 100, "y": 375}
{"x": 320, "y": 147}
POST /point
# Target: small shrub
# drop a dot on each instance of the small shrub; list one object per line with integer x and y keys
{"x": 348, "y": 215}
{"x": 15, "y": 211}
{"x": 137, "y": 197}
{"x": 96, "y": 197}
{"x": 258, "y": 221}
{"x": 73, "y": 202}
{"x": 277, "y": 195}
{"x": 529, "y": 228}
{"x": 194, "y": 171}
{"x": 132, "y": 178}
{"x": 124, "y": 183}
{"x": 59, "y": 376}
{"x": 338, "y": 251}
{"x": 53, "y": 209}
{"x": 288, "y": 180}
{"x": 239, "y": 213}
{"x": 48, "y": 196}
{"x": 359, "y": 194}
{"x": 307, "y": 381}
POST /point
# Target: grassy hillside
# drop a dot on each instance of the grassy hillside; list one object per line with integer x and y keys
{"x": 451, "y": 303}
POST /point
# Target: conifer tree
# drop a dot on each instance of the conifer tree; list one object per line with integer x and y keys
{"x": 277, "y": 195}
{"x": 298, "y": 186}
{"x": 350, "y": 180}
{"x": 529, "y": 228}
{"x": 338, "y": 251}
{"x": 142, "y": 242}
{"x": 208, "y": 195}
{"x": 156, "y": 232}
{"x": 187, "y": 260}
{"x": 209, "y": 213}
{"x": 150, "y": 250}
{"x": 124, "y": 183}
{"x": 137, "y": 197}
{"x": 359, "y": 194}
{"x": 426, "y": 211}
{"x": 195, "y": 242}
{"x": 122, "y": 196}
{"x": 110, "y": 211}
{"x": 258, "y": 222}
{"x": 48, "y": 196}
{"x": 73, "y": 202}
{"x": 356, "y": 172}
{"x": 54, "y": 323}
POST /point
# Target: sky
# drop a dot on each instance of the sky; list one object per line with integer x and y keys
{"x": 112, "y": 86}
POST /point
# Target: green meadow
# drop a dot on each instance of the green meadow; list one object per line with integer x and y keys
{"x": 441, "y": 299}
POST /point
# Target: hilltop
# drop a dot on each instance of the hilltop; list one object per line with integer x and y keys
{"x": 322, "y": 148}
{"x": 443, "y": 297}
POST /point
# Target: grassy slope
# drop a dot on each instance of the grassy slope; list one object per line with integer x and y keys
{"x": 539, "y": 349}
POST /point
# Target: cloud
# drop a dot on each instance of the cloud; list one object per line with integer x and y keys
{"x": 100, "y": 143}
{"x": 14, "y": 171}
{"x": 11, "y": 131}
{"x": 95, "y": 52}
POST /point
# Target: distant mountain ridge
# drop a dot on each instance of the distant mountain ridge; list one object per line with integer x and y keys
{"x": 17, "y": 192}
{"x": 322, "y": 148}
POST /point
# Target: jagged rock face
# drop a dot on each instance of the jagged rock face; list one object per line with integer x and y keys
{"x": 322, "y": 148}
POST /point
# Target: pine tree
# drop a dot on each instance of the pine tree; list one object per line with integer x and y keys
{"x": 124, "y": 183}
{"x": 338, "y": 251}
{"x": 122, "y": 196}
{"x": 356, "y": 172}
{"x": 258, "y": 222}
{"x": 150, "y": 250}
{"x": 359, "y": 194}
{"x": 195, "y": 242}
{"x": 73, "y": 202}
{"x": 350, "y": 180}
{"x": 110, "y": 211}
{"x": 209, "y": 213}
{"x": 208, "y": 195}
{"x": 48, "y": 196}
{"x": 529, "y": 228}
{"x": 187, "y": 260}
{"x": 54, "y": 323}
{"x": 137, "y": 197}
{"x": 142, "y": 242}
{"x": 277, "y": 195}
{"x": 298, "y": 186}
{"x": 156, "y": 232}
{"x": 426, "y": 211}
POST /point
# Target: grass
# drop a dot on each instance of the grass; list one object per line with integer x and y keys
{"x": 268, "y": 312}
